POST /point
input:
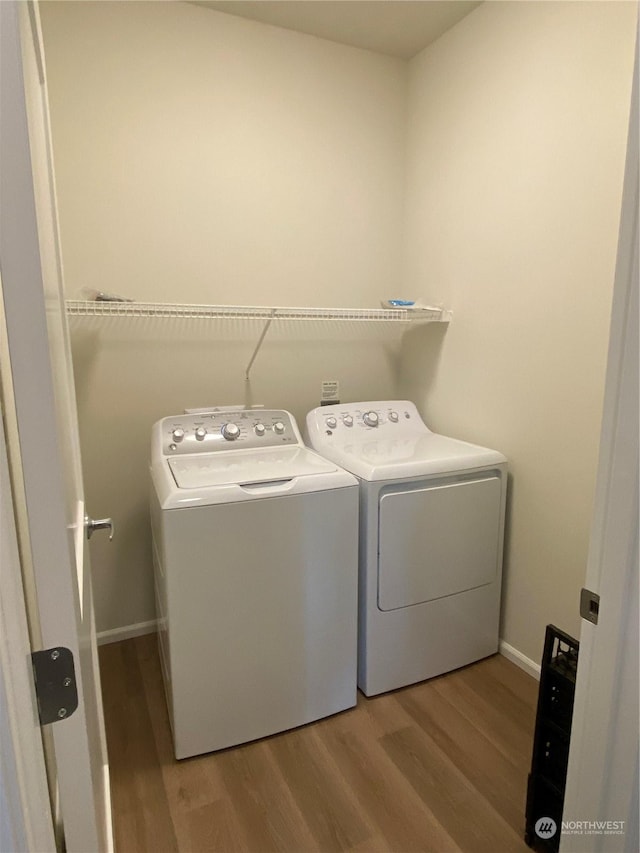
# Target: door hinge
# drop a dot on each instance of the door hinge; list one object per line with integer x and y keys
{"x": 54, "y": 676}
{"x": 589, "y": 605}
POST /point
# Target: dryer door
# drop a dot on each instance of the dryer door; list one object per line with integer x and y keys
{"x": 437, "y": 539}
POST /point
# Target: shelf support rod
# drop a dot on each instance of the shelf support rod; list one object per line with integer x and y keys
{"x": 259, "y": 344}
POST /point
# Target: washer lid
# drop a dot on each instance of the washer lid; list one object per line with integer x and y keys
{"x": 246, "y": 467}
{"x": 411, "y": 456}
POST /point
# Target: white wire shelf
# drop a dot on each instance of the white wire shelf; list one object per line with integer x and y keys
{"x": 363, "y": 318}
{"x": 86, "y": 308}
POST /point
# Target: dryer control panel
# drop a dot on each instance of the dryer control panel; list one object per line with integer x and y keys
{"x": 388, "y": 419}
{"x": 207, "y": 432}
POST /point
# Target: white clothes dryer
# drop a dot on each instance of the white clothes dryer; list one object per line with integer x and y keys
{"x": 255, "y": 551}
{"x": 431, "y": 537}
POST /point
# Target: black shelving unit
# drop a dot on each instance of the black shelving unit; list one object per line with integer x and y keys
{"x": 547, "y": 779}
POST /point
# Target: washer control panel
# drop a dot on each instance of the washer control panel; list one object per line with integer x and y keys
{"x": 208, "y": 432}
{"x": 393, "y": 418}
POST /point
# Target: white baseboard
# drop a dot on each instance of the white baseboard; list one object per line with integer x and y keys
{"x": 126, "y": 632}
{"x": 520, "y": 660}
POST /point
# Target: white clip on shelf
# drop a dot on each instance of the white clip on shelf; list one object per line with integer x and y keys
{"x": 145, "y": 310}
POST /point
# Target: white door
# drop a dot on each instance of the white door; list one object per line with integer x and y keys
{"x": 601, "y": 802}
{"x": 46, "y": 420}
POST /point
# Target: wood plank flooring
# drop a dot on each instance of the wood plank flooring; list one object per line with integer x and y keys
{"x": 440, "y": 766}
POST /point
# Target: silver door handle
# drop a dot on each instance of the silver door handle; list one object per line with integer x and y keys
{"x": 92, "y": 525}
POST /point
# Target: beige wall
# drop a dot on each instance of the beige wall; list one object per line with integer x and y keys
{"x": 206, "y": 158}
{"x": 517, "y": 135}
{"x": 202, "y": 157}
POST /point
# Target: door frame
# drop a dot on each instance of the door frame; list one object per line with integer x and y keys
{"x": 602, "y": 779}
{"x": 30, "y": 267}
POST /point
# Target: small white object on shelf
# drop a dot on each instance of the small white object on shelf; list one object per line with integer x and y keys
{"x": 397, "y": 303}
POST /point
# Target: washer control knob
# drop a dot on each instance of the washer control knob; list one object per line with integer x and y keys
{"x": 393, "y": 416}
{"x": 177, "y": 435}
{"x": 370, "y": 419}
{"x": 230, "y": 431}
{"x": 200, "y": 433}
{"x": 347, "y": 420}
{"x": 259, "y": 429}
{"x": 278, "y": 427}
{"x": 331, "y": 422}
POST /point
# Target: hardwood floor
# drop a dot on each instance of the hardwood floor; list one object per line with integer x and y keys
{"x": 440, "y": 766}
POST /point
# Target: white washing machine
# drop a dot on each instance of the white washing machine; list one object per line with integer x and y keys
{"x": 431, "y": 535}
{"x": 255, "y": 550}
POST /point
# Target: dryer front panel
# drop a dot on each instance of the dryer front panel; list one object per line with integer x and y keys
{"x": 437, "y": 540}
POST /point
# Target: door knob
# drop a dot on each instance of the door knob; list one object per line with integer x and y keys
{"x": 91, "y": 525}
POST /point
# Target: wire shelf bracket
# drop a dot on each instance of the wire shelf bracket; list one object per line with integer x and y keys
{"x": 259, "y": 344}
